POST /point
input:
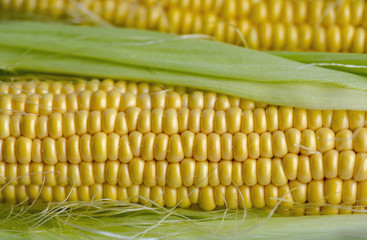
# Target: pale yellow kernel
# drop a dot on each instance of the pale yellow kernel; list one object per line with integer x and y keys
{"x": 135, "y": 139}
{"x": 156, "y": 195}
{"x": 194, "y": 120}
{"x": 173, "y": 100}
{"x": 260, "y": 124}
{"x": 315, "y": 192}
{"x": 28, "y": 126}
{"x": 272, "y": 118}
{"x": 81, "y": 122}
{"x": 124, "y": 179}
{"x": 360, "y": 169}
{"x": 278, "y": 175}
{"x": 23, "y": 152}
{"x": 55, "y": 125}
{"x": 85, "y": 147}
{"x": 83, "y": 193}
{"x": 59, "y": 104}
{"x": 308, "y": 142}
{"x": 300, "y": 119}
{"x": 49, "y": 173}
{"x": 264, "y": 171}
{"x": 143, "y": 101}
{"x": 266, "y": 148}
{"x": 74, "y": 177}
{"x": 280, "y": 148}
{"x": 15, "y": 129}
{"x": 174, "y": 178}
{"x": 23, "y": 174}
{"x": 144, "y": 122}
{"x": 222, "y": 103}
{"x": 331, "y": 163}
{"x": 175, "y": 149}
{"x": 96, "y": 191}
{"x": 315, "y": 119}
{"x": 226, "y": 146}
{"x": 362, "y": 193}
{"x": 207, "y": 121}
{"x": 299, "y": 191}
{"x": 49, "y": 155}
{"x": 136, "y": 169}
{"x": 253, "y": 144}
{"x": 247, "y": 124}
{"x": 271, "y": 195}
{"x": 346, "y": 164}
{"x": 317, "y": 166}
{"x": 170, "y": 122}
{"x": 127, "y": 101}
{"x": 4, "y": 126}
{"x": 42, "y": 127}
{"x": 37, "y": 173}
{"x": 121, "y": 124}
{"x": 188, "y": 171}
{"x": 200, "y": 147}
{"x": 349, "y": 194}
{"x": 220, "y": 123}
{"x": 201, "y": 174}
{"x": 99, "y": 146}
{"x": 234, "y": 115}
{"x": 183, "y": 119}
{"x": 150, "y": 174}
{"x": 340, "y": 120}
{"x": 325, "y": 139}
{"x": 258, "y": 196}
{"x": 72, "y": 146}
{"x": 206, "y": 198}
{"x": 162, "y": 172}
{"x": 240, "y": 151}
{"x": 360, "y": 140}
{"x": 333, "y": 190}
{"x": 304, "y": 169}
{"x": 170, "y": 196}
{"x": 290, "y": 165}
{"x": 285, "y": 118}
{"x": 132, "y": 115}
{"x": 356, "y": 119}
{"x": 112, "y": 171}
{"x": 62, "y": 171}
{"x": 147, "y": 148}
{"x": 196, "y": 100}
{"x": 161, "y": 146}
{"x": 109, "y": 120}
{"x": 113, "y": 99}
{"x": 31, "y": 105}
{"x": 225, "y": 172}
{"x": 344, "y": 140}
{"x": 61, "y": 149}
{"x": 293, "y": 138}
{"x": 71, "y": 103}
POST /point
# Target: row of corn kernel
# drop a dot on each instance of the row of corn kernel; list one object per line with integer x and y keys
{"x": 333, "y": 191}
{"x": 172, "y": 121}
{"x": 213, "y": 147}
{"x": 189, "y": 172}
{"x": 292, "y": 11}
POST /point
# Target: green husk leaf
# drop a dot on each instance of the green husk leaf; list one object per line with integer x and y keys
{"x": 355, "y": 63}
{"x": 120, "y": 220}
{"x": 176, "y": 60}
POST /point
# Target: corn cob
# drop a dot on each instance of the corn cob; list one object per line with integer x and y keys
{"x": 119, "y": 140}
{"x": 295, "y": 25}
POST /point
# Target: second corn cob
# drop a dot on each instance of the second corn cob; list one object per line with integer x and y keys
{"x": 295, "y": 25}
{"x": 120, "y": 140}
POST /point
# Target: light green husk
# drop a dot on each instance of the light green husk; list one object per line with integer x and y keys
{"x": 348, "y": 62}
{"x": 179, "y": 60}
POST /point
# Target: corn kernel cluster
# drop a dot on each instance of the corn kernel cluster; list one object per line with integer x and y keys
{"x": 141, "y": 142}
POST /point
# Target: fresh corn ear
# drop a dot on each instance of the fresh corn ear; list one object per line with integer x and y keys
{"x": 295, "y": 25}
{"x": 232, "y": 128}
{"x": 141, "y": 143}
